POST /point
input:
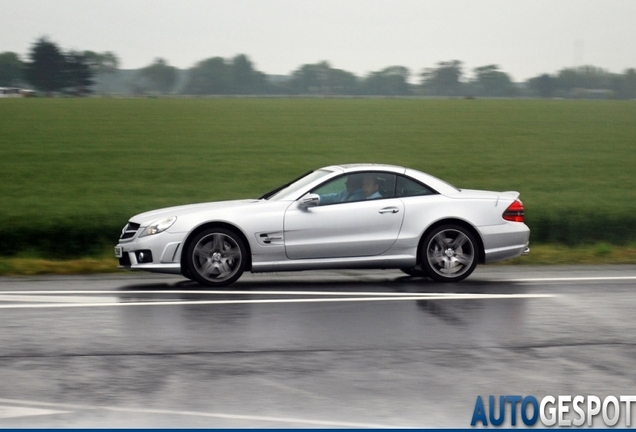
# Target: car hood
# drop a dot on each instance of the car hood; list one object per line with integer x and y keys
{"x": 149, "y": 217}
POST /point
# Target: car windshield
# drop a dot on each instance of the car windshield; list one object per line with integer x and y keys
{"x": 295, "y": 185}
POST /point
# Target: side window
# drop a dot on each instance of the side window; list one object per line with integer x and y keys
{"x": 334, "y": 191}
{"x": 357, "y": 187}
{"x": 407, "y": 187}
{"x": 386, "y": 184}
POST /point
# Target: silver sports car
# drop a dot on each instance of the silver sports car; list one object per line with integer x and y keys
{"x": 337, "y": 217}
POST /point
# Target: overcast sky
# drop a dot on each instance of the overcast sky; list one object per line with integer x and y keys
{"x": 524, "y": 37}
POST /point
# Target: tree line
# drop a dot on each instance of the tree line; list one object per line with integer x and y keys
{"x": 50, "y": 70}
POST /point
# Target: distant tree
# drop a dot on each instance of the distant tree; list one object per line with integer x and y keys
{"x": 629, "y": 90}
{"x": 567, "y": 80}
{"x": 443, "y": 80}
{"x": 321, "y": 78}
{"x": 571, "y": 81}
{"x": 78, "y": 73}
{"x": 623, "y": 86}
{"x": 490, "y": 81}
{"x": 543, "y": 86}
{"x": 159, "y": 76}
{"x": 585, "y": 82}
{"x": 219, "y": 76}
{"x": 51, "y": 70}
{"x": 208, "y": 77}
{"x": 341, "y": 82}
{"x": 101, "y": 63}
{"x": 11, "y": 70}
{"x": 245, "y": 79}
{"x": 104, "y": 66}
{"x": 310, "y": 78}
{"x": 391, "y": 81}
{"x": 46, "y": 70}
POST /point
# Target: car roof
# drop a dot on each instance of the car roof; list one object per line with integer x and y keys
{"x": 428, "y": 179}
{"x": 352, "y": 167}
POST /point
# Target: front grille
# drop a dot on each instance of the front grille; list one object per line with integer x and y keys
{"x": 129, "y": 231}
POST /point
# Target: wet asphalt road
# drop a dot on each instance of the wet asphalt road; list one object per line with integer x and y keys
{"x": 311, "y": 349}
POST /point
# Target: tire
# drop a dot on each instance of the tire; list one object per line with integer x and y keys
{"x": 415, "y": 271}
{"x": 449, "y": 253}
{"x": 216, "y": 257}
{"x": 186, "y": 273}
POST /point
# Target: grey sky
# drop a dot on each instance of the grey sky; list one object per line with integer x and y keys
{"x": 524, "y": 37}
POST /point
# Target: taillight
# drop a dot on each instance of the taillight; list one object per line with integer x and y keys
{"x": 514, "y": 212}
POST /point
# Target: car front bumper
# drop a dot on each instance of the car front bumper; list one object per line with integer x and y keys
{"x": 160, "y": 253}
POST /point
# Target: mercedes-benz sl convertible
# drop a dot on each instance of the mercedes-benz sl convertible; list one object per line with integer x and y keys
{"x": 361, "y": 216}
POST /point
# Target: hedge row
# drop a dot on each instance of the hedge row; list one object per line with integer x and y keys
{"x": 70, "y": 239}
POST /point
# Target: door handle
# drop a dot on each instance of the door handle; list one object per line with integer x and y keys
{"x": 389, "y": 210}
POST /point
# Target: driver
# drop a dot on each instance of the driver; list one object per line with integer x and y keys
{"x": 371, "y": 187}
{"x": 352, "y": 192}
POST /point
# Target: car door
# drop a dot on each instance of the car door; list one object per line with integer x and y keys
{"x": 344, "y": 229}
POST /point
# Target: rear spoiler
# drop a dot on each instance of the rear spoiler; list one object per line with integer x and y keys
{"x": 513, "y": 195}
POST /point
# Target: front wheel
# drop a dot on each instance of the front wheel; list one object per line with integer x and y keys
{"x": 449, "y": 253}
{"x": 216, "y": 257}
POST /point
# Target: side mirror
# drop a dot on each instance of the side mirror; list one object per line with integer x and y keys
{"x": 310, "y": 200}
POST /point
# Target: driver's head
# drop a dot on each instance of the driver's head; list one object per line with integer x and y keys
{"x": 370, "y": 185}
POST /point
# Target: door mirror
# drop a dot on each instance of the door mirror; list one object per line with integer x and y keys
{"x": 310, "y": 200}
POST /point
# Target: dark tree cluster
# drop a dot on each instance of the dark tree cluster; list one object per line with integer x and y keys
{"x": 11, "y": 70}
{"x": 217, "y": 76}
{"x": 585, "y": 82}
{"x": 159, "y": 77}
{"x": 322, "y": 79}
{"x": 51, "y": 70}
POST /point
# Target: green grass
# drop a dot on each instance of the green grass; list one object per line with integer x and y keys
{"x": 73, "y": 170}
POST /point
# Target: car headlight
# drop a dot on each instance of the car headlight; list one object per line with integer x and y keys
{"x": 160, "y": 226}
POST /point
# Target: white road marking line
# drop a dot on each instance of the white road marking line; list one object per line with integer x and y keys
{"x": 23, "y": 297}
{"x": 20, "y": 411}
{"x": 286, "y": 420}
{"x": 280, "y": 301}
{"x": 573, "y": 279}
{"x": 228, "y": 292}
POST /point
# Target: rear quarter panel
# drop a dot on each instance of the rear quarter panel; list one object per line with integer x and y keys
{"x": 485, "y": 214}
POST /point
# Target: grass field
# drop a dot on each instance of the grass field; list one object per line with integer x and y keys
{"x": 73, "y": 170}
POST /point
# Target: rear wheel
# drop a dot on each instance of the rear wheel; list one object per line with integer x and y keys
{"x": 449, "y": 253}
{"x": 216, "y": 257}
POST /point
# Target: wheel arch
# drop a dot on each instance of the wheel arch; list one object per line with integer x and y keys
{"x": 217, "y": 224}
{"x": 453, "y": 221}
